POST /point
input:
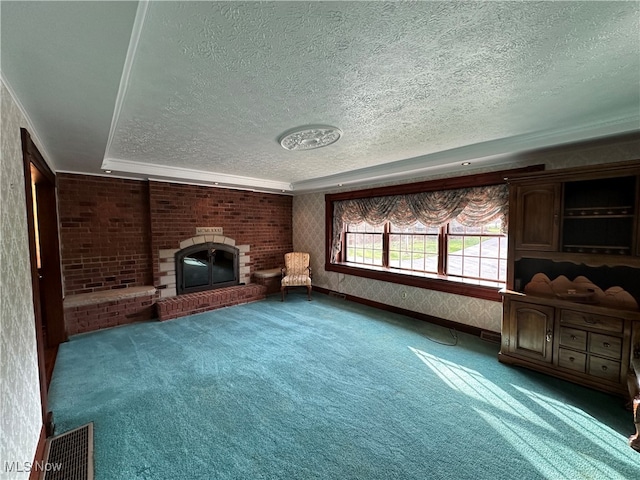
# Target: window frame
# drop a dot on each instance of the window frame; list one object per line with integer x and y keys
{"x": 446, "y": 231}
{"x": 438, "y": 235}
{"x": 382, "y": 243}
{"x": 409, "y": 278}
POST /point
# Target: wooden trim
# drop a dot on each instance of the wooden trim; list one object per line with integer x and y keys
{"x": 36, "y": 158}
{"x": 571, "y": 148}
{"x": 51, "y": 291}
{"x": 587, "y": 172}
{"x": 466, "y": 181}
{"x": 50, "y": 357}
{"x": 35, "y": 284}
{"x": 441, "y": 285}
{"x": 328, "y": 228}
{"x": 38, "y": 457}
{"x": 460, "y": 327}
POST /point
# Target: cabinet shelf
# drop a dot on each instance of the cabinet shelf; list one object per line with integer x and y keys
{"x": 623, "y": 211}
{"x": 592, "y": 216}
{"x": 604, "y": 249}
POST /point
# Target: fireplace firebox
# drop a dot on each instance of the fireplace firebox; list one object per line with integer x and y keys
{"x": 206, "y": 266}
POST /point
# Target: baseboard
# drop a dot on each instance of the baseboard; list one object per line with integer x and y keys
{"x": 38, "y": 458}
{"x": 460, "y": 327}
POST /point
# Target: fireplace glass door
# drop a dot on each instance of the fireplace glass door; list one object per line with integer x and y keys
{"x": 195, "y": 269}
{"x": 206, "y": 266}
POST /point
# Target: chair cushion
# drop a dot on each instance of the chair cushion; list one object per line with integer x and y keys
{"x": 296, "y": 263}
{"x": 296, "y": 280}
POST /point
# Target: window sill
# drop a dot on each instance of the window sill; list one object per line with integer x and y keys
{"x": 427, "y": 281}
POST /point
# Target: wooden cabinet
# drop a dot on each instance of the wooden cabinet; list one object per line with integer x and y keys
{"x": 586, "y": 344}
{"x": 584, "y": 215}
{"x": 537, "y": 216}
{"x": 580, "y": 222}
{"x": 531, "y": 330}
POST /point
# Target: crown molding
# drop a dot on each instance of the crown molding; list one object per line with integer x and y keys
{"x": 494, "y": 152}
{"x": 29, "y": 124}
{"x": 104, "y": 175}
{"x": 226, "y": 187}
{"x": 194, "y": 177}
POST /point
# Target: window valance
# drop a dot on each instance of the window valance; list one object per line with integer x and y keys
{"x": 471, "y": 207}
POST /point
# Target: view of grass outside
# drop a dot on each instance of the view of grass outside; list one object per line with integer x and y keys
{"x": 472, "y": 252}
{"x": 364, "y": 244}
{"x": 412, "y": 247}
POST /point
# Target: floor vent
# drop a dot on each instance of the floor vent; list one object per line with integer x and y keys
{"x": 339, "y": 295}
{"x": 70, "y": 456}
{"x": 492, "y": 337}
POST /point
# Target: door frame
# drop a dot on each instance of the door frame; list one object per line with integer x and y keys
{"x": 47, "y": 293}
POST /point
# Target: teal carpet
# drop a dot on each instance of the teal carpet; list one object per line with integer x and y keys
{"x": 326, "y": 389}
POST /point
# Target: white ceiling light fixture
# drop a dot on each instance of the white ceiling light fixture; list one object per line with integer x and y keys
{"x": 310, "y": 137}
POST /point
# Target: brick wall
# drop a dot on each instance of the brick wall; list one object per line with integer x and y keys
{"x": 88, "y": 318}
{"x": 104, "y": 233}
{"x": 111, "y": 230}
{"x": 262, "y": 221}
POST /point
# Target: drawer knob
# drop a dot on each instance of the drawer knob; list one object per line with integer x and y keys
{"x": 606, "y": 344}
{"x": 573, "y": 337}
{"x": 549, "y": 332}
{"x": 604, "y": 368}
{"x": 572, "y": 359}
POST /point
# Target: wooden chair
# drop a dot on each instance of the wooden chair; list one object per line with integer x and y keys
{"x": 296, "y": 272}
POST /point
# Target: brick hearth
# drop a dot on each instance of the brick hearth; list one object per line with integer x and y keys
{"x": 190, "y": 303}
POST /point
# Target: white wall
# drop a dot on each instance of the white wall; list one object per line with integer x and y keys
{"x": 309, "y": 236}
{"x": 20, "y": 407}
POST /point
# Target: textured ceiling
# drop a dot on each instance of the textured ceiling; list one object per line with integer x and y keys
{"x": 207, "y": 88}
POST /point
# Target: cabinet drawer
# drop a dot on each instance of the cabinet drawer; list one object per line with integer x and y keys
{"x": 572, "y": 360}
{"x": 591, "y": 320}
{"x": 572, "y": 338}
{"x": 605, "y": 345}
{"x": 604, "y": 368}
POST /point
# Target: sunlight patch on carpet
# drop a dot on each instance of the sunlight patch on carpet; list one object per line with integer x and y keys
{"x": 581, "y": 422}
{"x": 474, "y": 384}
{"x": 550, "y": 457}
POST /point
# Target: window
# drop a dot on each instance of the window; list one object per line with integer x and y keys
{"x": 446, "y": 234}
{"x": 476, "y": 255}
{"x": 364, "y": 243}
{"x": 414, "y": 248}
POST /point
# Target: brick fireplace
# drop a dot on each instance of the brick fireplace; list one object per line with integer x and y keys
{"x": 167, "y": 265}
{"x": 119, "y": 234}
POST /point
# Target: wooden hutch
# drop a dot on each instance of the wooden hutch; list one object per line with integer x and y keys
{"x": 577, "y": 225}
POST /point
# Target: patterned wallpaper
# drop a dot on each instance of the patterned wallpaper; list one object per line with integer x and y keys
{"x": 20, "y": 411}
{"x": 309, "y": 236}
